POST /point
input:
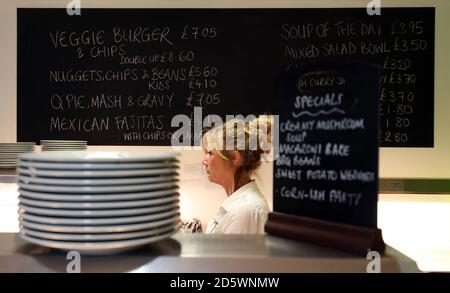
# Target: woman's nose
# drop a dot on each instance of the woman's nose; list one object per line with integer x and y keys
{"x": 205, "y": 162}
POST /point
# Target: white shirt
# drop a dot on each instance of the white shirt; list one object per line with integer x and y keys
{"x": 245, "y": 211}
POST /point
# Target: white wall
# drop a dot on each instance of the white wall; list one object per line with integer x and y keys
{"x": 200, "y": 198}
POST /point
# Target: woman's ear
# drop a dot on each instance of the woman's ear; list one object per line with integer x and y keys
{"x": 236, "y": 158}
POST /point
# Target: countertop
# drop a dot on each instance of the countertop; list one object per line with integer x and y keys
{"x": 201, "y": 253}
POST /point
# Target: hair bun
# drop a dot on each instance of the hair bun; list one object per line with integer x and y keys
{"x": 253, "y": 139}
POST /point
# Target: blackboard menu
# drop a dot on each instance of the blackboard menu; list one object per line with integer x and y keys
{"x": 119, "y": 76}
{"x": 328, "y": 152}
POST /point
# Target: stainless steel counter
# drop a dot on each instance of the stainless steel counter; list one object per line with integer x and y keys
{"x": 203, "y": 253}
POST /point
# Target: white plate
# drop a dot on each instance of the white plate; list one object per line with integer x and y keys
{"x": 95, "y": 173}
{"x": 97, "y": 237}
{"x": 98, "y": 205}
{"x": 100, "y": 229}
{"x": 97, "y": 197}
{"x": 92, "y": 157}
{"x": 99, "y": 221}
{"x": 98, "y": 189}
{"x": 98, "y": 213}
{"x": 98, "y": 248}
{"x": 99, "y": 166}
{"x": 96, "y": 182}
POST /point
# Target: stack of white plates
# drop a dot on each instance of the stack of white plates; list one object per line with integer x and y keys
{"x": 63, "y": 145}
{"x": 97, "y": 202}
{"x": 9, "y": 153}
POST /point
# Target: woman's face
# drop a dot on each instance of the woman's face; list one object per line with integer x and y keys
{"x": 219, "y": 170}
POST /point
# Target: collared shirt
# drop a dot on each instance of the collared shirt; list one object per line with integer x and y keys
{"x": 245, "y": 211}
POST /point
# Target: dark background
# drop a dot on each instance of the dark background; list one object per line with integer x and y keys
{"x": 248, "y": 52}
{"x": 359, "y": 101}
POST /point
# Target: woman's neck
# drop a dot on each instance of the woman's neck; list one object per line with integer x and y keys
{"x": 238, "y": 183}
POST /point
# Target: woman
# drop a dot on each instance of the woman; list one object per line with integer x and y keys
{"x": 232, "y": 153}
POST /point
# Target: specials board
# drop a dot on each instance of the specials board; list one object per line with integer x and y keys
{"x": 327, "y": 166}
{"x": 120, "y": 76}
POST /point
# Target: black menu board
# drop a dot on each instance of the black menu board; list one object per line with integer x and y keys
{"x": 328, "y": 152}
{"x": 119, "y": 76}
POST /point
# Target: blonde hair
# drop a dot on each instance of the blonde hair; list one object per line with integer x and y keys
{"x": 251, "y": 139}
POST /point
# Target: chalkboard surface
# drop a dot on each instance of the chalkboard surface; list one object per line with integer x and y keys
{"x": 119, "y": 76}
{"x": 328, "y": 154}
